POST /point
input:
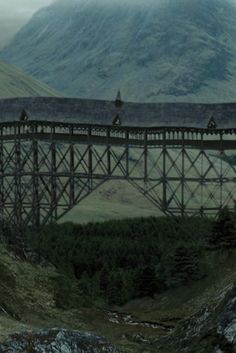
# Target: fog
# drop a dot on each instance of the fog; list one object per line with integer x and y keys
{"x": 21, "y": 8}
{"x": 14, "y": 14}
{"x": 26, "y": 8}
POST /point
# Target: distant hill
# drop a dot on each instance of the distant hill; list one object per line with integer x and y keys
{"x": 180, "y": 50}
{"x": 14, "y": 83}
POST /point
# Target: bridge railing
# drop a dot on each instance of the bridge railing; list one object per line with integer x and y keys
{"x": 115, "y": 134}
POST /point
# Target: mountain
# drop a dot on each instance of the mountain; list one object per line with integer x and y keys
{"x": 182, "y": 50}
{"x": 14, "y": 83}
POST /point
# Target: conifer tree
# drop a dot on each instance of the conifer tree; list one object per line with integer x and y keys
{"x": 224, "y": 230}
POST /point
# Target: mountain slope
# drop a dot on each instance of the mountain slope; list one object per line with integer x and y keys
{"x": 14, "y": 83}
{"x": 153, "y": 51}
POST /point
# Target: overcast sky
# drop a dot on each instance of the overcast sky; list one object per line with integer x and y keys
{"x": 22, "y": 8}
{"x": 16, "y": 13}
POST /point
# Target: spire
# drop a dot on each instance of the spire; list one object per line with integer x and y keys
{"x": 118, "y": 97}
{"x": 118, "y": 101}
{"x": 117, "y": 120}
{"x": 212, "y": 124}
{"x": 24, "y": 116}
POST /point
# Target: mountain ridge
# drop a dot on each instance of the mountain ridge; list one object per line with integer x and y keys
{"x": 171, "y": 52}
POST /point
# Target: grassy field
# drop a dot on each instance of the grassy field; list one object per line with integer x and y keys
{"x": 113, "y": 200}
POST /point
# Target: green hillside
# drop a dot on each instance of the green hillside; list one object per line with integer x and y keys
{"x": 14, "y": 83}
{"x": 124, "y": 280}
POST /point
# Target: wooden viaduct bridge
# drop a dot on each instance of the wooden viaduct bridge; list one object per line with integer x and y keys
{"x": 46, "y": 168}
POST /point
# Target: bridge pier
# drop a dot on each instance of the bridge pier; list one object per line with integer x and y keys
{"x": 35, "y": 188}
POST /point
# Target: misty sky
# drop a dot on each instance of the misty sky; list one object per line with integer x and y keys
{"x": 25, "y": 8}
{"x": 16, "y": 13}
{"x": 21, "y": 8}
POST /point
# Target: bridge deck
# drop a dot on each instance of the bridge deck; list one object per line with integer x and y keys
{"x": 198, "y": 138}
{"x": 97, "y": 140}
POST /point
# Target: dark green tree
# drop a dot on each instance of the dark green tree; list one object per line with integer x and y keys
{"x": 179, "y": 267}
{"x": 147, "y": 284}
{"x": 224, "y": 229}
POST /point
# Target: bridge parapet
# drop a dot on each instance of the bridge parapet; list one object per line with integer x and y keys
{"x": 120, "y": 135}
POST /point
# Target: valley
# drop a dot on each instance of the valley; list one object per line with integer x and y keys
{"x": 115, "y": 274}
{"x": 185, "y": 315}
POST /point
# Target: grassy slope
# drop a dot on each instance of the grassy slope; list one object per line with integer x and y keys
{"x": 28, "y": 291}
{"x": 113, "y": 200}
{"x": 14, "y": 83}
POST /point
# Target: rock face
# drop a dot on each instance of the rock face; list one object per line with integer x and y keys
{"x": 227, "y": 326}
{"x": 153, "y": 50}
{"x": 56, "y": 341}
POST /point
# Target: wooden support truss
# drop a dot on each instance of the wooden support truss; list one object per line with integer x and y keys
{"x": 48, "y": 168}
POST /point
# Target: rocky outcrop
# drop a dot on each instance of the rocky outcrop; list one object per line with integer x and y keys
{"x": 56, "y": 341}
{"x": 227, "y": 326}
{"x": 212, "y": 329}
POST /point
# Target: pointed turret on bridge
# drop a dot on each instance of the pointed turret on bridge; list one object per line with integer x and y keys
{"x": 118, "y": 104}
{"x": 117, "y": 120}
{"x": 24, "y": 116}
{"x": 118, "y": 101}
{"x": 212, "y": 124}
